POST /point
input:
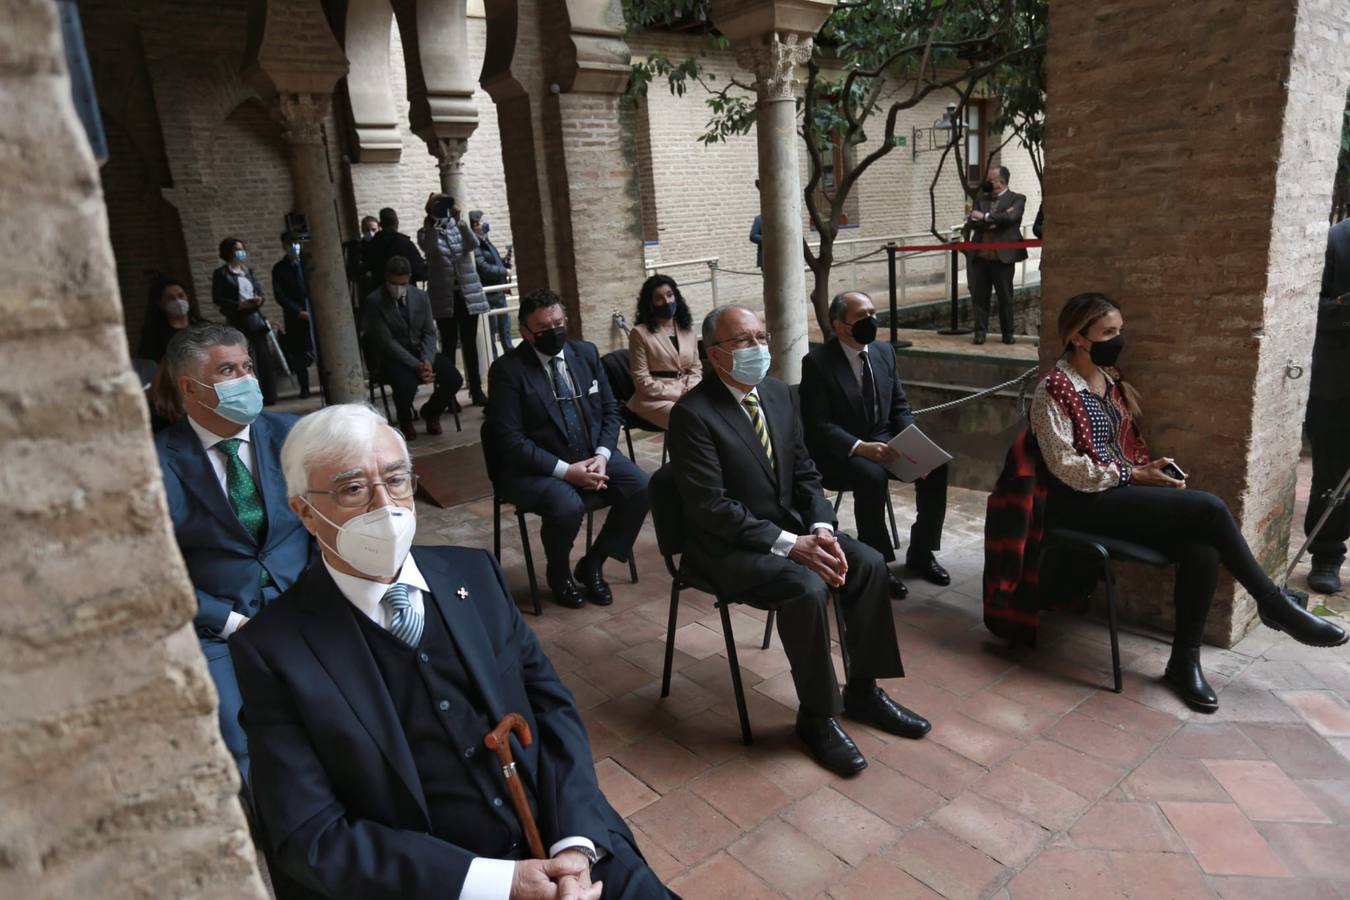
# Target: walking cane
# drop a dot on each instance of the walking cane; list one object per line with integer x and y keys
{"x": 498, "y": 740}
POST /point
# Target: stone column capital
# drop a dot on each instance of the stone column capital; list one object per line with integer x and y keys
{"x": 301, "y": 117}
{"x": 449, "y": 153}
{"x": 775, "y": 58}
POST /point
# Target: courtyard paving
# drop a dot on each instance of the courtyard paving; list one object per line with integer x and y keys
{"x": 1037, "y": 780}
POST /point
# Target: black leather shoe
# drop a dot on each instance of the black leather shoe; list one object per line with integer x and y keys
{"x": 593, "y": 583}
{"x": 478, "y": 398}
{"x": 1283, "y": 613}
{"x": 829, "y": 745}
{"x": 979, "y": 338}
{"x": 1186, "y": 677}
{"x": 566, "y": 592}
{"x": 1009, "y": 339}
{"x": 1325, "y": 577}
{"x": 929, "y": 570}
{"x": 873, "y": 707}
{"x": 897, "y": 587}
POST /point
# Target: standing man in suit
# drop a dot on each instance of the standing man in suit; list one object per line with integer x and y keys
{"x": 368, "y": 690}
{"x": 1328, "y": 419}
{"x": 759, "y": 528}
{"x": 553, "y": 430}
{"x": 222, "y": 478}
{"x": 852, "y": 405}
{"x": 384, "y": 245}
{"x": 290, "y": 285}
{"x": 400, "y": 337}
{"x": 996, "y": 219}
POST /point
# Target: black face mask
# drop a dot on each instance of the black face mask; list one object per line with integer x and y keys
{"x": 1105, "y": 353}
{"x": 986, "y": 187}
{"x": 865, "y": 330}
{"x": 551, "y": 340}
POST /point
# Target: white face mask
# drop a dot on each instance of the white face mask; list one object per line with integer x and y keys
{"x": 374, "y": 543}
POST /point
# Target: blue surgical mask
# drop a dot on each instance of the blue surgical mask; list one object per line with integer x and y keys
{"x": 665, "y": 310}
{"x": 240, "y": 255}
{"x": 295, "y": 249}
{"x": 486, "y": 228}
{"x": 749, "y": 365}
{"x": 238, "y": 400}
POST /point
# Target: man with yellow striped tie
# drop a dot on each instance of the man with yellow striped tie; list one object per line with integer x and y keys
{"x": 760, "y": 530}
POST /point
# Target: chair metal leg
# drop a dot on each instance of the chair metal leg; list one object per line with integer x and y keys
{"x": 632, "y": 565}
{"x": 665, "y": 447}
{"x": 670, "y": 636}
{"x": 590, "y": 516}
{"x": 890, "y": 511}
{"x": 837, "y": 603}
{"x": 454, "y": 410}
{"x": 1111, "y": 623}
{"x": 746, "y": 736}
{"x": 497, "y": 527}
{"x": 838, "y": 502}
{"x": 529, "y": 563}
{"x": 628, "y": 435}
{"x": 768, "y": 631}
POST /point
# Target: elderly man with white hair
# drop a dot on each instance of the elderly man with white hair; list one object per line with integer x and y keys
{"x": 368, "y": 689}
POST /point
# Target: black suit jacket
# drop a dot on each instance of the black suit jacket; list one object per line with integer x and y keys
{"x": 524, "y": 422}
{"x": 1331, "y": 347}
{"x": 1003, "y": 223}
{"x": 733, "y": 500}
{"x": 334, "y": 782}
{"x": 290, "y": 287}
{"x": 388, "y": 335}
{"x": 832, "y": 405}
{"x": 376, "y": 252}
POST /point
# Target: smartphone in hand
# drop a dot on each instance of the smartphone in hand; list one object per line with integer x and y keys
{"x": 1172, "y": 470}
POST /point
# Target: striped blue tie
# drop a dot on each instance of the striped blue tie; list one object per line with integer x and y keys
{"x": 405, "y": 622}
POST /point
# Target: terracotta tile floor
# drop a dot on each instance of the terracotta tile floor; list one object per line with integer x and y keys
{"x": 1036, "y": 781}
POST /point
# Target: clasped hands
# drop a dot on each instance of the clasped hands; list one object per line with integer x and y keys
{"x": 589, "y": 474}
{"x": 820, "y": 552}
{"x": 426, "y": 373}
{"x": 566, "y": 876}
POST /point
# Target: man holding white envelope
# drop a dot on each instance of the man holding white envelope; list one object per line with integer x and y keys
{"x": 853, "y": 406}
{"x": 551, "y": 439}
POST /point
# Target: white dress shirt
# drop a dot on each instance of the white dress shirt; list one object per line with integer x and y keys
{"x": 786, "y": 540}
{"x": 560, "y": 467}
{"x": 209, "y": 440}
{"x": 856, "y": 360}
{"x": 487, "y": 879}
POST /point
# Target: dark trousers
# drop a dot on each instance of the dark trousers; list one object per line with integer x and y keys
{"x": 981, "y": 275}
{"x": 1194, "y": 528}
{"x": 299, "y": 351}
{"x": 563, "y": 507}
{"x": 869, "y": 483}
{"x": 626, "y": 874}
{"x": 501, "y": 330}
{"x": 262, "y": 367}
{"x": 803, "y": 604}
{"x": 221, "y": 669}
{"x": 1329, "y": 431}
{"x": 462, "y": 327}
{"x": 404, "y": 381}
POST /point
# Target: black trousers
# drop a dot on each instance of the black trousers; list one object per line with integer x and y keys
{"x": 262, "y": 367}
{"x": 562, "y": 509}
{"x": 299, "y": 350}
{"x": 462, "y": 327}
{"x": 404, "y": 381}
{"x": 803, "y": 604}
{"x": 1329, "y": 430}
{"x": 981, "y": 275}
{"x": 869, "y": 483}
{"x": 1194, "y": 528}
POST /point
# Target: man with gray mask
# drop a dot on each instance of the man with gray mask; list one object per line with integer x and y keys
{"x": 400, "y": 343}
{"x": 221, "y": 461}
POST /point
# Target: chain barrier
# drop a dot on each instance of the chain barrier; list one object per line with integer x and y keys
{"x": 1024, "y": 379}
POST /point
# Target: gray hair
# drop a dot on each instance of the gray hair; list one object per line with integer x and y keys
{"x": 334, "y": 433}
{"x": 839, "y": 305}
{"x": 190, "y": 348}
{"x": 711, "y": 320}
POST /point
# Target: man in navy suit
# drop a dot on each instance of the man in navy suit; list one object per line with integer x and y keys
{"x": 853, "y": 404}
{"x": 552, "y": 440}
{"x": 368, "y": 689}
{"x": 222, "y": 476}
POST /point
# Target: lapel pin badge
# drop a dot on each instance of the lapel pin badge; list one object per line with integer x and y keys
{"x": 463, "y": 593}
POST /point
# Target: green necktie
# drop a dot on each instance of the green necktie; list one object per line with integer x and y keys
{"x": 757, "y": 420}
{"x": 244, "y": 495}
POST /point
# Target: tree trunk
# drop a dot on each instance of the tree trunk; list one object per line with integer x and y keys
{"x": 820, "y": 291}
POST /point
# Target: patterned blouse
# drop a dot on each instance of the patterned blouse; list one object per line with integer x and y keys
{"x": 1054, "y": 430}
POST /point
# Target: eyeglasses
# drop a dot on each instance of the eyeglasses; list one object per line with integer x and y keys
{"x": 357, "y": 493}
{"x": 743, "y": 341}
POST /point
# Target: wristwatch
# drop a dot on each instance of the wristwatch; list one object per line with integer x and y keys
{"x": 587, "y": 851}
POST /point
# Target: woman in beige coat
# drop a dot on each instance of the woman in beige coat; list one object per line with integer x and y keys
{"x": 662, "y": 351}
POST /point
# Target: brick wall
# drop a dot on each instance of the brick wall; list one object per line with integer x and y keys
{"x": 115, "y": 780}
{"x": 1203, "y": 212}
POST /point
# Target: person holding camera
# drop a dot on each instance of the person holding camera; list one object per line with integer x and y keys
{"x": 236, "y": 292}
{"x": 1103, "y": 481}
{"x": 457, "y": 297}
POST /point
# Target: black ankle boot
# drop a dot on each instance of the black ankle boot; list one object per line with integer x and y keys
{"x": 1186, "y": 677}
{"x": 1282, "y": 612}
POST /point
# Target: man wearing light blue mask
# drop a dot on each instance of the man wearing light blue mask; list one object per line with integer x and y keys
{"x": 759, "y": 530}
{"x": 227, "y": 498}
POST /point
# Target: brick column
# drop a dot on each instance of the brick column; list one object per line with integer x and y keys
{"x": 1200, "y": 204}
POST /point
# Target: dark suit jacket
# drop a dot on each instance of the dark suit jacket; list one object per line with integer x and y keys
{"x": 223, "y": 561}
{"x": 389, "y": 336}
{"x": 1331, "y": 347}
{"x": 524, "y": 421}
{"x": 732, "y": 500}
{"x": 225, "y": 294}
{"x": 832, "y": 406}
{"x": 376, "y": 253}
{"x": 334, "y": 782}
{"x": 1004, "y": 224}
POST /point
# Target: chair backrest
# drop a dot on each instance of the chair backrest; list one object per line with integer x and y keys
{"x": 616, "y": 366}
{"x": 667, "y": 513}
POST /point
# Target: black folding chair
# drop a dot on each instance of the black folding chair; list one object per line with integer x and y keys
{"x": 620, "y": 376}
{"x": 842, "y": 489}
